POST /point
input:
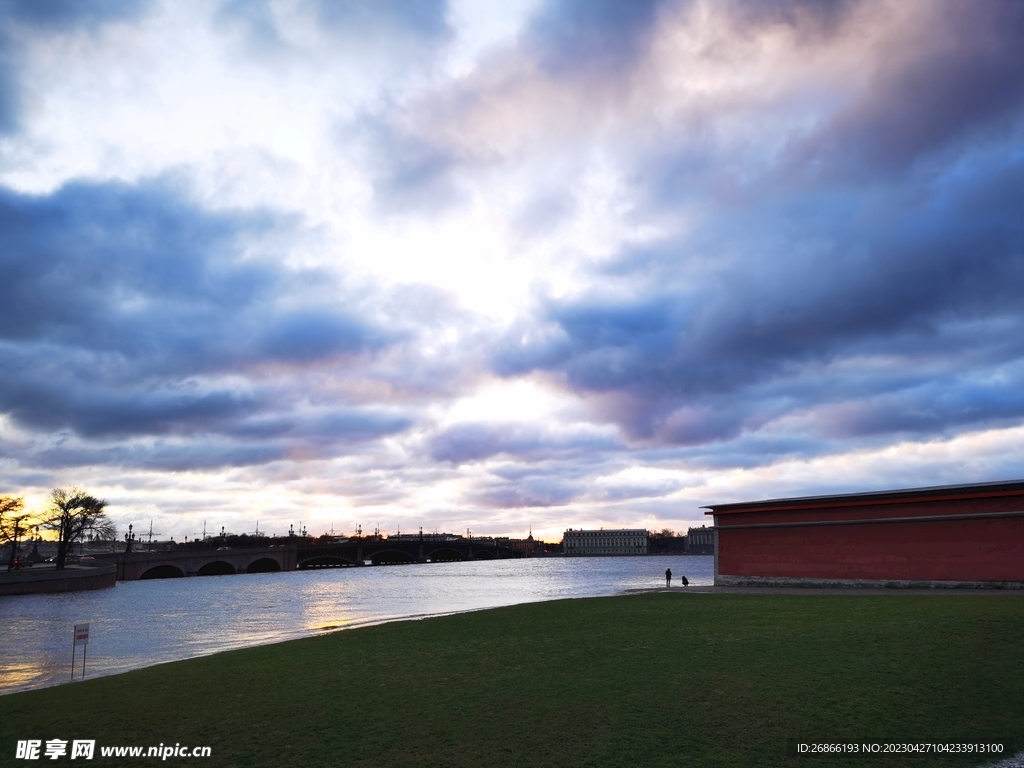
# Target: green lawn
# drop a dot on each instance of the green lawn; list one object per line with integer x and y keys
{"x": 646, "y": 680}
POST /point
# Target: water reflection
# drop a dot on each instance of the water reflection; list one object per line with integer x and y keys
{"x": 21, "y": 674}
{"x": 139, "y": 623}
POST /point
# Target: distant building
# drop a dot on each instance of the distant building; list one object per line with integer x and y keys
{"x": 624, "y": 541}
{"x": 700, "y": 541}
{"x": 525, "y": 545}
{"x": 520, "y": 545}
{"x": 949, "y": 536}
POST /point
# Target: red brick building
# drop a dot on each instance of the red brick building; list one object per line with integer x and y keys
{"x": 949, "y": 536}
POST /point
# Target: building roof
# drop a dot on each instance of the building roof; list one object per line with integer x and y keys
{"x": 905, "y": 495}
{"x": 606, "y": 530}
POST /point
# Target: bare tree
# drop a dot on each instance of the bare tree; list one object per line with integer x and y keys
{"x": 105, "y": 531}
{"x": 9, "y": 507}
{"x": 72, "y": 514}
{"x": 11, "y": 525}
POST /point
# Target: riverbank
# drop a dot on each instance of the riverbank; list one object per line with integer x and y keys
{"x": 653, "y": 679}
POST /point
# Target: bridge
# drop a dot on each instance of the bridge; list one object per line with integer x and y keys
{"x": 223, "y": 561}
{"x": 201, "y": 562}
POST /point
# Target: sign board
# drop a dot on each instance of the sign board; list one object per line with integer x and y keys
{"x": 81, "y": 639}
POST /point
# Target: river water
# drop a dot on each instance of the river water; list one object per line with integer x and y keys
{"x": 139, "y": 623}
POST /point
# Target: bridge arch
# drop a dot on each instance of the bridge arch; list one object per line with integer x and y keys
{"x": 217, "y": 568}
{"x": 446, "y": 556}
{"x": 163, "y": 572}
{"x": 325, "y": 561}
{"x": 483, "y": 554}
{"x": 391, "y": 557}
{"x": 264, "y": 565}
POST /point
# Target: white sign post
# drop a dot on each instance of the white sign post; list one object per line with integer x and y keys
{"x": 81, "y": 639}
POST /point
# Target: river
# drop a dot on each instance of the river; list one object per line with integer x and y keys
{"x": 140, "y": 623}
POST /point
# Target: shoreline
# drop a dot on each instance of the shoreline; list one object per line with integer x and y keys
{"x": 875, "y": 591}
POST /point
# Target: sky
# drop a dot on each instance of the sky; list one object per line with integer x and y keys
{"x": 503, "y": 267}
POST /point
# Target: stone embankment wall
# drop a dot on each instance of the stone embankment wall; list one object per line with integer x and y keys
{"x": 29, "y": 581}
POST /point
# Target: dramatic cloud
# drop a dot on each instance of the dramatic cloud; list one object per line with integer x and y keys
{"x": 150, "y": 334}
{"x": 551, "y": 264}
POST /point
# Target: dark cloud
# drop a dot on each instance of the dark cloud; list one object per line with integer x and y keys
{"x": 467, "y": 443}
{"x": 585, "y": 477}
{"x": 746, "y": 450}
{"x": 219, "y": 437}
{"x": 62, "y": 16}
{"x": 723, "y": 327}
{"x": 603, "y": 35}
{"x": 337, "y": 426}
{"x": 810, "y": 18}
{"x": 409, "y": 171}
{"x": 124, "y": 307}
{"x": 9, "y": 96}
{"x": 139, "y": 272}
{"x": 100, "y": 265}
{"x": 57, "y": 402}
{"x": 164, "y": 456}
{"x": 963, "y": 76}
{"x": 549, "y": 491}
{"x": 311, "y": 335}
{"x": 631, "y": 491}
{"x": 932, "y": 407}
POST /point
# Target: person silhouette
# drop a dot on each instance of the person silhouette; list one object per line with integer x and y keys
{"x": 686, "y": 583}
{"x": 668, "y": 577}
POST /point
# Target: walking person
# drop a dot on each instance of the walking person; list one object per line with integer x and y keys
{"x": 668, "y": 577}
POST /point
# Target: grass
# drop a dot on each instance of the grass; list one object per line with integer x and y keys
{"x": 651, "y": 680}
